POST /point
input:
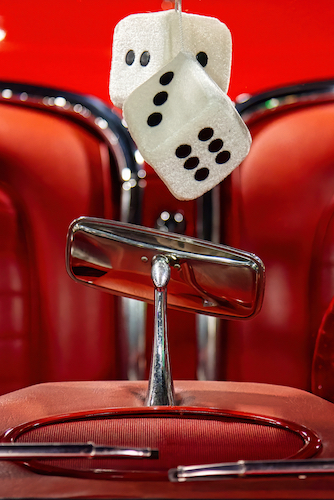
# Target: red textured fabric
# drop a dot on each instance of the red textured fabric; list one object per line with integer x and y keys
{"x": 181, "y": 441}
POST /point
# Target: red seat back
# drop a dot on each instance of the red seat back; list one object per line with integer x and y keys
{"x": 281, "y": 196}
{"x": 54, "y": 168}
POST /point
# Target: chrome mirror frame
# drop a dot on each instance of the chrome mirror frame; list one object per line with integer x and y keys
{"x": 205, "y": 278}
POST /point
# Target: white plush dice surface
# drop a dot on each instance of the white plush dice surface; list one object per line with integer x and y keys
{"x": 186, "y": 128}
{"x": 134, "y": 36}
{"x": 209, "y": 40}
{"x": 144, "y": 43}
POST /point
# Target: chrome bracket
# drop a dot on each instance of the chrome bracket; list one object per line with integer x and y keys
{"x": 160, "y": 384}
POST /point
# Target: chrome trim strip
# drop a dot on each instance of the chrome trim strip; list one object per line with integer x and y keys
{"x": 29, "y": 451}
{"x": 252, "y": 468}
{"x": 133, "y": 341}
{"x": 207, "y": 333}
{"x": 285, "y": 97}
{"x": 207, "y": 327}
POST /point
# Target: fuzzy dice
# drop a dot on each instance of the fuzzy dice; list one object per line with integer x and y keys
{"x": 186, "y": 127}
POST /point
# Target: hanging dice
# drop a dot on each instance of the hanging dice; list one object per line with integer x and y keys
{"x": 144, "y": 43}
{"x": 186, "y": 128}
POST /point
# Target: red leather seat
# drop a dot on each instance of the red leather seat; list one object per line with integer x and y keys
{"x": 54, "y": 168}
{"x": 59, "y": 162}
{"x": 274, "y": 190}
{"x": 278, "y": 204}
{"x": 282, "y": 202}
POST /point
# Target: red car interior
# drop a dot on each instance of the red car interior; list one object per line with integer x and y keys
{"x": 265, "y": 389}
{"x": 46, "y": 332}
{"x": 38, "y": 298}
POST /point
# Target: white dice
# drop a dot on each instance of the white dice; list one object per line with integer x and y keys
{"x": 209, "y": 40}
{"x": 144, "y": 43}
{"x": 186, "y": 128}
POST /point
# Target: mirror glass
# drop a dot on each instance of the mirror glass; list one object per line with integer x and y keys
{"x": 205, "y": 278}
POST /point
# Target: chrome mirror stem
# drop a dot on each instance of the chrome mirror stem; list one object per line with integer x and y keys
{"x": 160, "y": 384}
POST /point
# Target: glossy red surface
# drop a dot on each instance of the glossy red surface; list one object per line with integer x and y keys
{"x": 63, "y": 46}
{"x": 279, "y": 205}
{"x": 68, "y": 44}
{"x": 282, "y": 194}
{"x": 59, "y": 171}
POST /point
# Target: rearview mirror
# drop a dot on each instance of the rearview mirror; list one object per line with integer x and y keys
{"x": 205, "y": 278}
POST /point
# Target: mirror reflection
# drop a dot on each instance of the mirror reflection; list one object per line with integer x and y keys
{"x": 205, "y": 278}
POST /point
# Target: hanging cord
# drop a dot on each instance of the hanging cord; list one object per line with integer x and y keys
{"x": 178, "y": 8}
